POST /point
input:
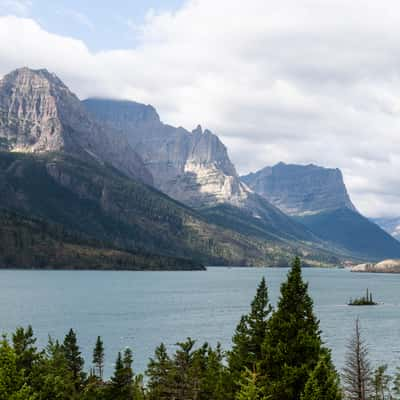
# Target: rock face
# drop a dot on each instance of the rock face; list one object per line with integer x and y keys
{"x": 298, "y": 189}
{"x": 38, "y": 113}
{"x": 317, "y": 197}
{"x": 192, "y": 167}
{"x": 386, "y": 266}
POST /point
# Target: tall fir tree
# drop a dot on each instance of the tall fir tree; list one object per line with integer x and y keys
{"x": 98, "y": 358}
{"x": 25, "y": 349}
{"x": 323, "y": 383}
{"x": 159, "y": 375}
{"x": 121, "y": 387}
{"x": 293, "y": 345}
{"x": 249, "y": 337}
{"x": 357, "y": 374}
{"x": 74, "y": 358}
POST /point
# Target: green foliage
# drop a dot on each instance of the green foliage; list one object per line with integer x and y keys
{"x": 249, "y": 337}
{"x": 74, "y": 359}
{"x": 293, "y": 346}
{"x": 159, "y": 372}
{"x": 323, "y": 382}
{"x": 249, "y": 387}
{"x": 381, "y": 383}
{"x": 98, "y": 357}
{"x": 12, "y": 380}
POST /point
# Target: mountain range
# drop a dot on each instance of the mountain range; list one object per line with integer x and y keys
{"x": 128, "y": 191}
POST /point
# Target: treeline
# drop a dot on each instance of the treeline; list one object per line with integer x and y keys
{"x": 276, "y": 355}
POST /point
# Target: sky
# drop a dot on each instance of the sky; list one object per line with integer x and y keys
{"x": 298, "y": 81}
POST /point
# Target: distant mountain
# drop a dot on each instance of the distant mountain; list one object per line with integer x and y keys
{"x": 193, "y": 167}
{"x": 38, "y": 113}
{"x": 317, "y": 197}
{"x": 390, "y": 225}
{"x": 301, "y": 189}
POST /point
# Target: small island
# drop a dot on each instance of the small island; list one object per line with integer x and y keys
{"x": 366, "y": 300}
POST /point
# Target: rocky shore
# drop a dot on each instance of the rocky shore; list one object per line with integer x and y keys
{"x": 386, "y": 266}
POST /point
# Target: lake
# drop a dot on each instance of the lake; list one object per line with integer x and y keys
{"x": 142, "y": 309}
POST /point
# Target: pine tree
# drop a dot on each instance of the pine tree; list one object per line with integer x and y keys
{"x": 25, "y": 350}
{"x": 249, "y": 388}
{"x": 121, "y": 387}
{"x": 249, "y": 337}
{"x": 323, "y": 383}
{"x": 357, "y": 372}
{"x": 292, "y": 346}
{"x": 12, "y": 381}
{"x": 74, "y": 359}
{"x": 98, "y": 357}
{"x": 159, "y": 374}
{"x": 396, "y": 383}
{"x": 186, "y": 382}
{"x": 381, "y": 383}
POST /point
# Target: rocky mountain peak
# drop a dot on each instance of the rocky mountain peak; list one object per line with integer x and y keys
{"x": 301, "y": 189}
{"x": 193, "y": 167}
{"x": 38, "y": 113}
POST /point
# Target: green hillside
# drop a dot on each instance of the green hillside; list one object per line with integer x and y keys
{"x": 101, "y": 203}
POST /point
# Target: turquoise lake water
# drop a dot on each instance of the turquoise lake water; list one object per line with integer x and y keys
{"x": 142, "y": 309}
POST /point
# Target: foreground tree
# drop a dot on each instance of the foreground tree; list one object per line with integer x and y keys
{"x": 74, "y": 359}
{"x": 159, "y": 374}
{"x": 249, "y": 387}
{"x": 12, "y": 379}
{"x": 357, "y": 376}
{"x": 249, "y": 337}
{"x": 323, "y": 383}
{"x": 98, "y": 357}
{"x": 293, "y": 345}
{"x": 381, "y": 382}
{"x": 24, "y": 346}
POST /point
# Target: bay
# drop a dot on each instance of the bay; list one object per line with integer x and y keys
{"x": 142, "y": 309}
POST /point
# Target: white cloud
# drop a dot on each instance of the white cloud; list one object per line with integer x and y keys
{"x": 297, "y": 81}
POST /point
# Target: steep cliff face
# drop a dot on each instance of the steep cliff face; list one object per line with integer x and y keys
{"x": 301, "y": 189}
{"x": 192, "y": 167}
{"x": 38, "y": 113}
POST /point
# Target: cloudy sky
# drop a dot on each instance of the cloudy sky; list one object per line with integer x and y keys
{"x": 303, "y": 81}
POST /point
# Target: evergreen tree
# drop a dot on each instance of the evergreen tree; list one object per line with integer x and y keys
{"x": 292, "y": 346}
{"x": 249, "y": 388}
{"x": 98, "y": 357}
{"x": 53, "y": 378}
{"x": 249, "y": 337}
{"x": 25, "y": 350}
{"x": 396, "y": 384}
{"x": 12, "y": 380}
{"x": 186, "y": 380}
{"x": 74, "y": 359}
{"x": 381, "y": 383}
{"x": 159, "y": 374}
{"x": 357, "y": 372}
{"x": 323, "y": 383}
{"x": 121, "y": 387}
